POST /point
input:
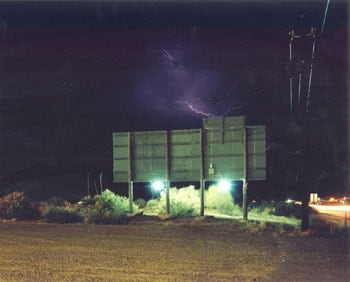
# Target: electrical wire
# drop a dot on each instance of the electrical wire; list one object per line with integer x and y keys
{"x": 324, "y": 16}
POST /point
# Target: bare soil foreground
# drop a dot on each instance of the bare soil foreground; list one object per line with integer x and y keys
{"x": 147, "y": 249}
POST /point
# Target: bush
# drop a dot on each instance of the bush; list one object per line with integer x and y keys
{"x": 87, "y": 201}
{"x": 106, "y": 218}
{"x": 141, "y": 203}
{"x": 287, "y": 209}
{"x": 182, "y": 209}
{"x": 17, "y": 205}
{"x": 153, "y": 206}
{"x": 264, "y": 208}
{"x": 112, "y": 202}
{"x": 221, "y": 202}
{"x": 183, "y": 202}
{"x": 106, "y": 208}
{"x": 186, "y": 202}
{"x": 62, "y": 215}
{"x": 56, "y": 202}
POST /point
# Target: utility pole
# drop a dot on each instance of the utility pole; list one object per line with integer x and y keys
{"x": 302, "y": 116}
{"x": 101, "y": 186}
{"x": 292, "y": 36}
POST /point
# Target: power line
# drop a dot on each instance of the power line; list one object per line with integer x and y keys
{"x": 324, "y": 16}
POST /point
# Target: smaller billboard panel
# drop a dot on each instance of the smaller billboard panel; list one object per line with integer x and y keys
{"x": 121, "y": 161}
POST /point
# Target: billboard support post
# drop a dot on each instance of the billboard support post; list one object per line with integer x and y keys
{"x": 245, "y": 174}
{"x": 245, "y": 206}
{"x": 167, "y": 197}
{"x": 202, "y": 182}
{"x": 131, "y": 196}
{"x": 130, "y": 178}
{"x": 167, "y": 172}
{"x": 202, "y": 188}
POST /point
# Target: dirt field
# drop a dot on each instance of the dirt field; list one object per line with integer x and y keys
{"x": 177, "y": 250}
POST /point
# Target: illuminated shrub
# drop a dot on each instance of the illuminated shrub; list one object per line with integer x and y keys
{"x": 220, "y": 202}
{"x": 62, "y": 215}
{"x": 141, "y": 203}
{"x": 17, "y": 205}
{"x": 154, "y": 206}
{"x": 183, "y": 202}
{"x": 107, "y": 208}
{"x": 186, "y": 202}
{"x": 112, "y": 202}
{"x": 182, "y": 209}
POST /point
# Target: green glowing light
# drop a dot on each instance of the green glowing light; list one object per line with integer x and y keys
{"x": 224, "y": 185}
{"x": 157, "y": 185}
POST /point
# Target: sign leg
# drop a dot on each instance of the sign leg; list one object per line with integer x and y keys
{"x": 167, "y": 197}
{"x": 202, "y": 188}
{"x": 245, "y": 202}
{"x": 131, "y": 196}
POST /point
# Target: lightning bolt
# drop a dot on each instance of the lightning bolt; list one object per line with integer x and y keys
{"x": 176, "y": 64}
{"x": 193, "y": 109}
{"x": 166, "y": 54}
{"x": 199, "y": 111}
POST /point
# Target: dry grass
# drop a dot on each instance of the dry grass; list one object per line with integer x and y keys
{"x": 201, "y": 249}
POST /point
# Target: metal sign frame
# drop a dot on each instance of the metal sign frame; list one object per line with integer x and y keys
{"x": 224, "y": 148}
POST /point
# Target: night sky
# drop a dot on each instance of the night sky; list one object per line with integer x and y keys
{"x": 71, "y": 73}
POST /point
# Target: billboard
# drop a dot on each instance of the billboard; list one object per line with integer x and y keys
{"x": 223, "y": 148}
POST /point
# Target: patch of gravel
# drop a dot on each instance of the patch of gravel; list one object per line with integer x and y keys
{"x": 169, "y": 249}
